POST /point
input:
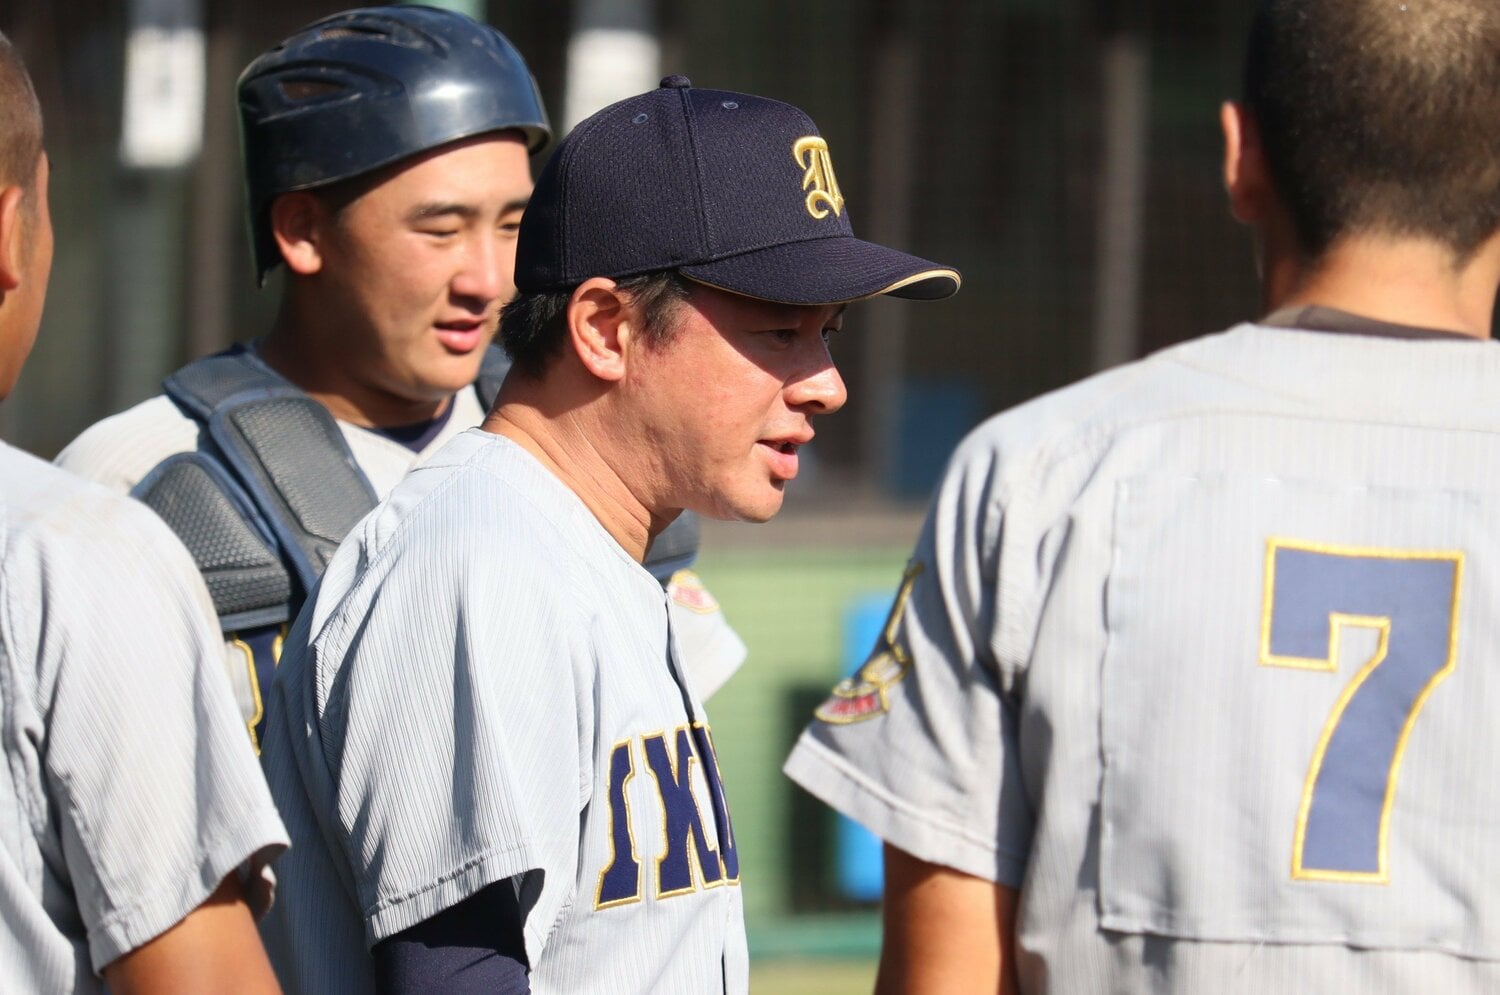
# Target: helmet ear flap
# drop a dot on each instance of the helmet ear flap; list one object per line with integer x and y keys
{"x": 369, "y": 87}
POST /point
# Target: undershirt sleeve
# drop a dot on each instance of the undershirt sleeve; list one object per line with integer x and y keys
{"x": 476, "y": 946}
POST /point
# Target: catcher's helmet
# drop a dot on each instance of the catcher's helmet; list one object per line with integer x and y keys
{"x": 368, "y": 87}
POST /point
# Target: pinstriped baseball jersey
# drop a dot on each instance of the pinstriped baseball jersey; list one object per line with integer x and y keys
{"x": 128, "y": 791}
{"x": 1200, "y": 654}
{"x": 482, "y": 690}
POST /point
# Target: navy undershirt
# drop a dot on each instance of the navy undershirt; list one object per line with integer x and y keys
{"x": 474, "y": 947}
{"x": 418, "y": 435}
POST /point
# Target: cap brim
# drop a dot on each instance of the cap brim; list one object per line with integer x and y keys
{"x": 827, "y": 271}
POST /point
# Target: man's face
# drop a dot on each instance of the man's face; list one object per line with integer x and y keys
{"x": 730, "y": 398}
{"x": 22, "y": 315}
{"x": 419, "y": 266}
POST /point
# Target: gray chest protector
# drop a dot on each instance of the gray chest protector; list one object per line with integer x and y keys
{"x": 273, "y": 488}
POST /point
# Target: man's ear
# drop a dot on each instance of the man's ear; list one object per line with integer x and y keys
{"x": 299, "y": 223}
{"x": 600, "y": 327}
{"x": 1246, "y": 179}
{"x": 12, "y": 252}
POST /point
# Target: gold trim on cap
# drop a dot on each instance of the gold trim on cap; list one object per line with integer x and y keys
{"x": 931, "y": 274}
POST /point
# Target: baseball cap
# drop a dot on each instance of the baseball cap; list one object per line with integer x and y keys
{"x": 732, "y": 190}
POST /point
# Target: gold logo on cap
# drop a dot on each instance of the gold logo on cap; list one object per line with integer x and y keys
{"x": 811, "y": 154}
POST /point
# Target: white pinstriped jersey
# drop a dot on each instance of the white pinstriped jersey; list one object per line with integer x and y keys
{"x": 1202, "y": 655}
{"x": 481, "y": 691}
{"x": 128, "y": 791}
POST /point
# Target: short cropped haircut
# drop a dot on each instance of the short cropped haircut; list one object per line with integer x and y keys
{"x": 534, "y": 326}
{"x": 1380, "y": 117}
{"x": 20, "y": 120}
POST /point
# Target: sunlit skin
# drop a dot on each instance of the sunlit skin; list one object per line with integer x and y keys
{"x": 944, "y": 931}
{"x": 711, "y": 420}
{"x": 215, "y": 948}
{"x": 25, "y": 265}
{"x": 726, "y": 404}
{"x": 391, "y": 301}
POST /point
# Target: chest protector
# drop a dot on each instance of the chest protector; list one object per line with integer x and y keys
{"x": 273, "y": 488}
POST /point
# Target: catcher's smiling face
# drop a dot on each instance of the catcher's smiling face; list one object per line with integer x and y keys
{"x": 404, "y": 283}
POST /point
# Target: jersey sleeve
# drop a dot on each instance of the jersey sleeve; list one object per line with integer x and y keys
{"x": 153, "y": 786}
{"x": 921, "y": 745}
{"x": 712, "y": 652}
{"x": 454, "y": 698}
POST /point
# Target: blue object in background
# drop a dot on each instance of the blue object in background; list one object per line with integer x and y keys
{"x": 933, "y": 416}
{"x": 861, "y": 872}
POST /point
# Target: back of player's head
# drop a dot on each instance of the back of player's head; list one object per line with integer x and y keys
{"x": 1380, "y": 116}
{"x": 367, "y": 88}
{"x": 20, "y": 120}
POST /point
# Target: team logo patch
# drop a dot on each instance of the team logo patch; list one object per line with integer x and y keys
{"x": 688, "y": 591}
{"x": 812, "y": 155}
{"x": 865, "y": 695}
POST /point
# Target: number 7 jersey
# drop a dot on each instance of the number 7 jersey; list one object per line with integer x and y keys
{"x": 1203, "y": 655}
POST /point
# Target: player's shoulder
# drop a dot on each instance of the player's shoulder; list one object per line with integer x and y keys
{"x": 481, "y": 509}
{"x": 482, "y": 486}
{"x": 120, "y": 450}
{"x": 1086, "y": 416}
{"x": 58, "y": 527}
{"x": 41, "y": 498}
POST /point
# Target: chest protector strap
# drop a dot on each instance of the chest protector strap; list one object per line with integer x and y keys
{"x": 273, "y": 488}
{"x": 264, "y": 502}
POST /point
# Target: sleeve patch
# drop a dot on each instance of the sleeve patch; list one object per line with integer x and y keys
{"x": 864, "y": 695}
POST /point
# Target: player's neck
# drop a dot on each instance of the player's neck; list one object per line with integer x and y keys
{"x": 1402, "y": 281}
{"x": 559, "y": 437}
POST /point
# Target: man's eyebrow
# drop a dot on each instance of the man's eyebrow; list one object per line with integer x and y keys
{"x": 438, "y": 209}
{"x": 792, "y": 314}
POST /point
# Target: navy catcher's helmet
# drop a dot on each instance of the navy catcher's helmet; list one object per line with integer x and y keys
{"x": 368, "y": 87}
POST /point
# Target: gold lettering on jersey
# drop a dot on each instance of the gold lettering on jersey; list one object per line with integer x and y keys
{"x": 620, "y": 881}
{"x": 256, "y": 705}
{"x": 812, "y": 155}
{"x": 865, "y": 695}
{"x": 254, "y": 709}
{"x": 696, "y": 848}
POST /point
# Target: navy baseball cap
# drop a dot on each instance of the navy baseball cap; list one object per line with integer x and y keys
{"x": 732, "y": 190}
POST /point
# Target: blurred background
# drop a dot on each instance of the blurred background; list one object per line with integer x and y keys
{"x": 1064, "y": 154}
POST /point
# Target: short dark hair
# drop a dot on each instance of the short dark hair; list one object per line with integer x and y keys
{"x": 1380, "y": 117}
{"x": 533, "y": 327}
{"x": 20, "y": 120}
